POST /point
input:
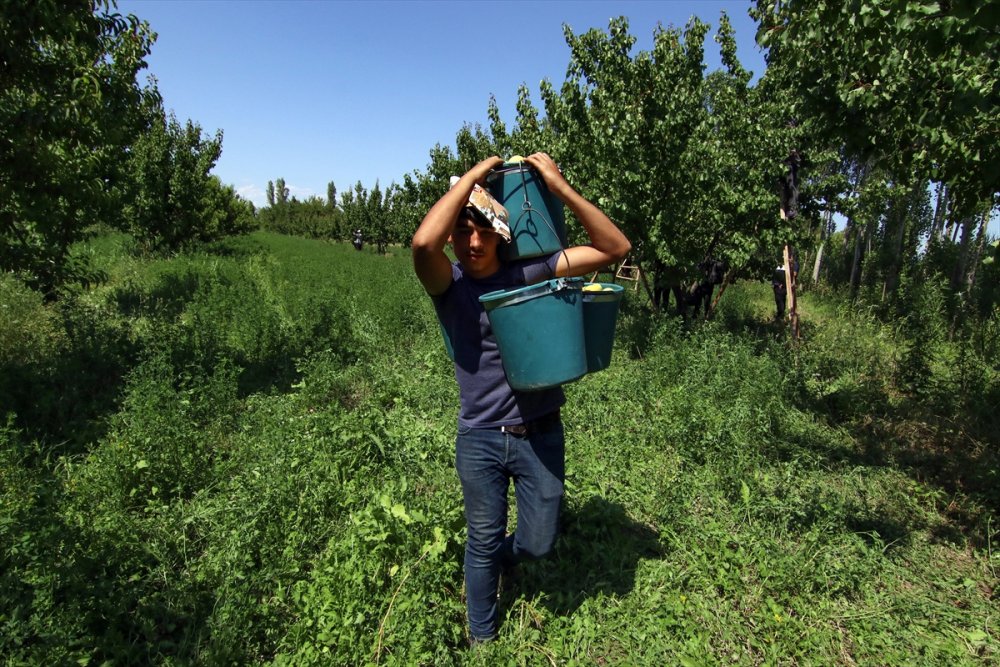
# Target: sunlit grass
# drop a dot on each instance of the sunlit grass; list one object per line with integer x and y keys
{"x": 272, "y": 482}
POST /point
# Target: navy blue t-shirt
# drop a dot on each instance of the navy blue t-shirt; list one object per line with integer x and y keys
{"x": 486, "y": 399}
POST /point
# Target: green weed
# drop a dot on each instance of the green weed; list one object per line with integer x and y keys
{"x": 256, "y": 467}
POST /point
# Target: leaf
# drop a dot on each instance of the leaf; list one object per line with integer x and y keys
{"x": 438, "y": 546}
{"x": 399, "y": 512}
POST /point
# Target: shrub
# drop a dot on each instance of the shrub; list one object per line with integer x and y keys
{"x": 32, "y": 331}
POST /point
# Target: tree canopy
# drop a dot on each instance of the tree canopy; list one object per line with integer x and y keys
{"x": 69, "y": 102}
{"x": 911, "y": 83}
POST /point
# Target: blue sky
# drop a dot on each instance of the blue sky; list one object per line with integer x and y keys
{"x": 316, "y": 91}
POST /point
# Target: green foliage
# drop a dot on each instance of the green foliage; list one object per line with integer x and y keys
{"x": 909, "y": 82}
{"x": 399, "y": 549}
{"x": 32, "y": 331}
{"x": 384, "y": 216}
{"x": 905, "y": 94}
{"x": 311, "y": 218}
{"x": 60, "y": 364}
{"x": 923, "y": 329}
{"x": 69, "y": 105}
{"x": 83, "y": 142}
{"x": 175, "y": 200}
{"x": 274, "y": 481}
{"x": 669, "y": 119}
{"x": 987, "y": 296}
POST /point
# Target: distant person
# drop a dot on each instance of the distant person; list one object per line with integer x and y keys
{"x": 503, "y": 434}
{"x": 358, "y": 240}
{"x": 661, "y": 286}
{"x": 713, "y": 272}
{"x": 780, "y": 288}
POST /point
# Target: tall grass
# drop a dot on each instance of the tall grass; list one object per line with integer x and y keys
{"x": 263, "y": 473}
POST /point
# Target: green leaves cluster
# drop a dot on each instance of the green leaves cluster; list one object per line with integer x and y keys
{"x": 68, "y": 112}
{"x": 375, "y": 213}
{"x": 384, "y": 216}
{"x": 82, "y": 142}
{"x": 174, "y": 199}
{"x": 311, "y": 217}
{"x": 687, "y": 162}
{"x": 912, "y": 83}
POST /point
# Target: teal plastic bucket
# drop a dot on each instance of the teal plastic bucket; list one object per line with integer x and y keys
{"x": 539, "y": 329}
{"x": 600, "y": 314}
{"x": 537, "y": 223}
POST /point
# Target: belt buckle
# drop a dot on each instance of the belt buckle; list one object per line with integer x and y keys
{"x": 520, "y": 430}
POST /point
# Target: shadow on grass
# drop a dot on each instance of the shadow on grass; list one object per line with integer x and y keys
{"x": 72, "y": 586}
{"x": 956, "y": 456}
{"x": 166, "y": 299}
{"x": 949, "y": 442}
{"x": 596, "y": 554}
{"x": 65, "y": 400}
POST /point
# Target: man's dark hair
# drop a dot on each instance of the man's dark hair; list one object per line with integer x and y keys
{"x": 475, "y": 218}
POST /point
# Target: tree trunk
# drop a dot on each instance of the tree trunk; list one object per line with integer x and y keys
{"x": 958, "y": 274}
{"x": 965, "y": 267}
{"x": 855, "y": 281}
{"x": 892, "y": 279}
{"x": 818, "y": 263}
{"x": 824, "y": 230}
{"x": 940, "y": 206}
{"x": 791, "y": 277}
{"x": 948, "y": 222}
{"x": 977, "y": 253}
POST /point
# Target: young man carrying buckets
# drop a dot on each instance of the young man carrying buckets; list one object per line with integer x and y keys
{"x": 503, "y": 434}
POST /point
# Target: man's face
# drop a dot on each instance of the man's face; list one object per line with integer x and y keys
{"x": 475, "y": 248}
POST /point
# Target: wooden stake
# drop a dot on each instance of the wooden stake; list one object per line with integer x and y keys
{"x": 722, "y": 288}
{"x": 790, "y": 301}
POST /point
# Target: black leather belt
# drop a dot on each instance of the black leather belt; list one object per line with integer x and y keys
{"x": 533, "y": 426}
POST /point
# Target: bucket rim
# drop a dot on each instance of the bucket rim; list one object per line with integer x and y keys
{"x": 504, "y": 297}
{"x": 615, "y": 294}
{"x": 509, "y": 168}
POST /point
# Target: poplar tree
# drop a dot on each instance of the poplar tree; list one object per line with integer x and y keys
{"x": 331, "y": 195}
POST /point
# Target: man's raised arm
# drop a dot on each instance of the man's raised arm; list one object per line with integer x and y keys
{"x": 429, "y": 259}
{"x": 608, "y": 245}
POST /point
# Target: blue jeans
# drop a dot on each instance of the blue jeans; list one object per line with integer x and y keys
{"x": 487, "y": 460}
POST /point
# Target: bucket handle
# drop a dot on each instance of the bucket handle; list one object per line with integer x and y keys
{"x": 556, "y": 285}
{"x": 526, "y": 207}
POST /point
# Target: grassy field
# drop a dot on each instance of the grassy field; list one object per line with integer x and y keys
{"x": 245, "y": 455}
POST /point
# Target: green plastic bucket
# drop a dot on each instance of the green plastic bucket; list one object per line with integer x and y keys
{"x": 539, "y": 329}
{"x": 600, "y": 313}
{"x": 537, "y": 223}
